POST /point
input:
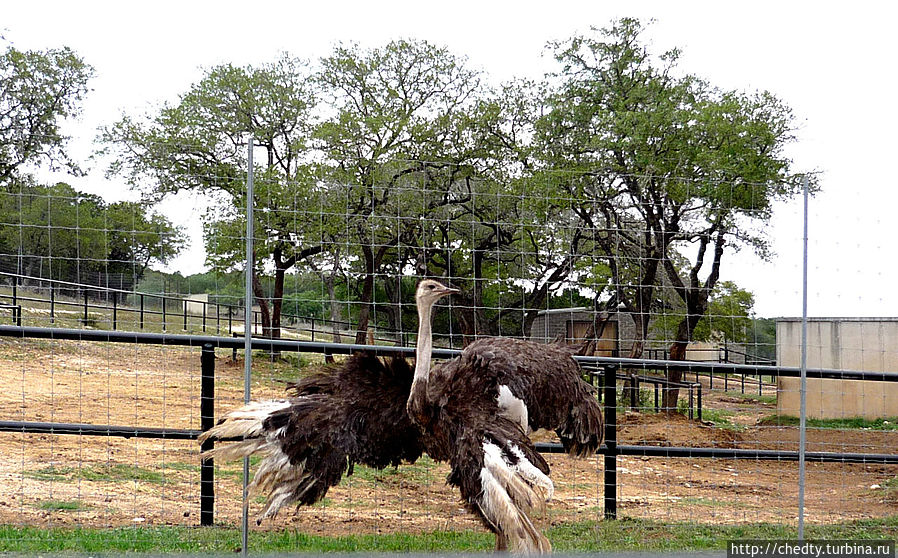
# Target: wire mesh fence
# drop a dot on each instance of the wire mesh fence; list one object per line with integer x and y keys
{"x": 632, "y": 263}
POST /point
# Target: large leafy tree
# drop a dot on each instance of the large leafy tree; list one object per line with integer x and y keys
{"x": 199, "y": 144}
{"x": 393, "y": 148}
{"x": 663, "y": 165}
{"x": 38, "y": 91}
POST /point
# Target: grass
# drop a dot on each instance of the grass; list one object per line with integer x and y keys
{"x": 720, "y": 418}
{"x": 420, "y": 472}
{"x": 588, "y": 536}
{"x": 61, "y": 505}
{"x": 754, "y": 398}
{"x": 851, "y": 423}
{"x": 891, "y": 489}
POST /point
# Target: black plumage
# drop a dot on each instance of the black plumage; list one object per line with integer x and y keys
{"x": 474, "y": 411}
{"x": 344, "y": 414}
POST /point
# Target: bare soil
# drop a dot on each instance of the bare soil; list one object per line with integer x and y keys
{"x": 100, "y": 481}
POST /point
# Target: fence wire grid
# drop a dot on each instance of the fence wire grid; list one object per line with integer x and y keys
{"x": 537, "y": 255}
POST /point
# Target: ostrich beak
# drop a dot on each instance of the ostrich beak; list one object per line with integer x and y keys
{"x": 448, "y": 291}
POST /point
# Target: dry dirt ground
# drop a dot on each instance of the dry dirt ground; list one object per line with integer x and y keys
{"x": 100, "y": 481}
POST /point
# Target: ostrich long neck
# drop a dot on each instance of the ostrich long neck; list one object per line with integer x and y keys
{"x": 424, "y": 347}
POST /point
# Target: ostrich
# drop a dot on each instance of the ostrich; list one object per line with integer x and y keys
{"x": 474, "y": 411}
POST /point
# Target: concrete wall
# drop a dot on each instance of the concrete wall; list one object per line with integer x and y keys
{"x": 843, "y": 344}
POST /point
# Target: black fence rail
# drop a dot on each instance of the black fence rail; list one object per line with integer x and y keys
{"x": 726, "y": 355}
{"x": 605, "y": 370}
{"x": 171, "y": 311}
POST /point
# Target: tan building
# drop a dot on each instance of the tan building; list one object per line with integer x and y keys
{"x": 869, "y": 344}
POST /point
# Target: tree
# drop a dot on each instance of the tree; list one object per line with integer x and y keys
{"x": 37, "y": 91}
{"x": 56, "y": 232}
{"x": 664, "y": 164}
{"x": 392, "y": 146}
{"x": 199, "y": 144}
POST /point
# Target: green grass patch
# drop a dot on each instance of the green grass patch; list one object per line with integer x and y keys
{"x": 891, "y": 488}
{"x": 720, "y": 418}
{"x": 754, "y": 398}
{"x": 97, "y": 473}
{"x": 851, "y": 423}
{"x": 420, "y": 472}
{"x": 181, "y": 466}
{"x": 61, "y": 505}
{"x": 588, "y": 536}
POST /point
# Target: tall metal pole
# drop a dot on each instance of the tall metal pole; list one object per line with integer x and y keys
{"x": 803, "y": 388}
{"x": 248, "y": 330}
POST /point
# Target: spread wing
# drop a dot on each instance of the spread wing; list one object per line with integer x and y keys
{"x": 546, "y": 382}
{"x": 354, "y": 412}
{"x": 499, "y": 473}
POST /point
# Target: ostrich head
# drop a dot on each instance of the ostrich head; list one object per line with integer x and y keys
{"x": 430, "y": 291}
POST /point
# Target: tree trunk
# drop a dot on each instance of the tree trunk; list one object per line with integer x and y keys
{"x": 696, "y": 296}
{"x": 264, "y": 310}
{"x": 329, "y": 281}
{"x": 373, "y": 262}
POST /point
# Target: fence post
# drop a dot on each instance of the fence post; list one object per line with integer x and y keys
{"x": 163, "y": 313}
{"x": 114, "y": 310}
{"x": 52, "y": 304}
{"x": 141, "y": 311}
{"x": 85, "y": 307}
{"x": 610, "y": 404}
{"x": 207, "y": 421}
{"x": 698, "y": 389}
{"x": 185, "y": 313}
{"x": 691, "y": 402}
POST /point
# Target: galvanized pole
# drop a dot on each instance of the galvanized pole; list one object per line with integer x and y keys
{"x": 803, "y": 388}
{"x": 247, "y": 330}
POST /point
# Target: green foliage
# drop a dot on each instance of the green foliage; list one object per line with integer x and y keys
{"x": 60, "y": 230}
{"x": 860, "y": 423}
{"x": 38, "y": 90}
{"x": 660, "y": 164}
{"x": 400, "y": 160}
{"x": 729, "y": 315}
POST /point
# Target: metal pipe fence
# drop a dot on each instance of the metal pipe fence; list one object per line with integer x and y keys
{"x": 605, "y": 370}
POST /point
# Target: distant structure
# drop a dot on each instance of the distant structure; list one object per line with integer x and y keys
{"x": 574, "y": 323}
{"x": 196, "y": 304}
{"x": 869, "y": 344}
{"x": 616, "y": 332}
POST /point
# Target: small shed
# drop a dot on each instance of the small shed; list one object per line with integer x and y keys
{"x": 572, "y": 324}
{"x": 195, "y": 304}
{"x": 869, "y": 344}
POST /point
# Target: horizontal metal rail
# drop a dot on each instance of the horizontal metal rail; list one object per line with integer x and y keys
{"x": 733, "y": 453}
{"x": 80, "y": 429}
{"x": 349, "y": 348}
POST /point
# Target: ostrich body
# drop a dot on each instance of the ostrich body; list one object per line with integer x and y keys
{"x": 475, "y": 411}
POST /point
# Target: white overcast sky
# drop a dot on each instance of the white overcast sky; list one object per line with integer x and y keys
{"x": 832, "y": 62}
